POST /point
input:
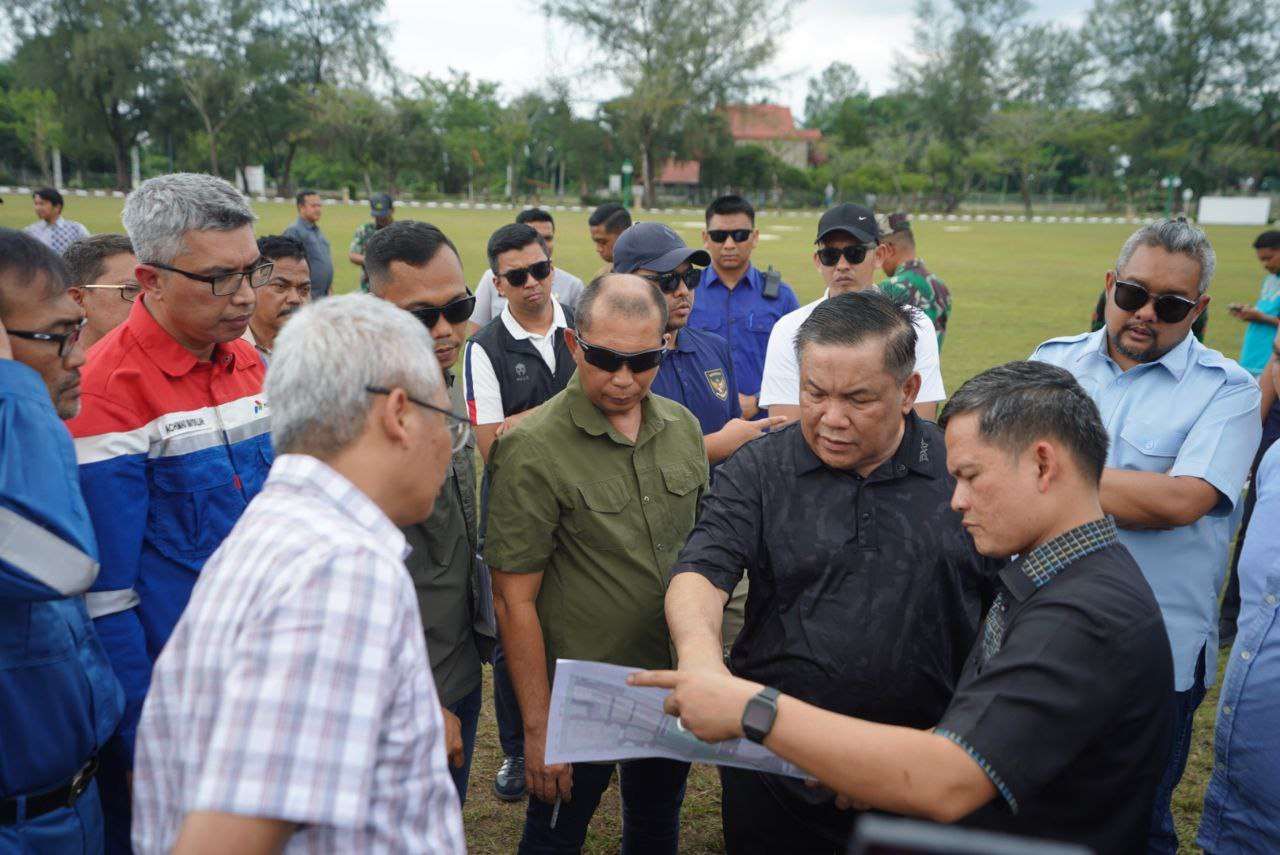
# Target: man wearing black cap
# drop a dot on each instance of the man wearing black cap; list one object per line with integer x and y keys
{"x": 909, "y": 281}
{"x": 381, "y": 206}
{"x": 849, "y": 250}
{"x": 698, "y": 369}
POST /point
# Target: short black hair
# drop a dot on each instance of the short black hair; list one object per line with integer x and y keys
{"x": 1020, "y": 402}
{"x": 1268, "y": 240}
{"x": 50, "y": 195}
{"x": 851, "y": 319}
{"x": 630, "y": 306}
{"x": 413, "y": 242}
{"x": 512, "y": 236}
{"x": 302, "y": 196}
{"x": 25, "y": 263}
{"x": 731, "y": 204}
{"x": 276, "y": 247}
{"x": 536, "y": 215}
{"x": 615, "y": 218}
{"x": 86, "y": 258}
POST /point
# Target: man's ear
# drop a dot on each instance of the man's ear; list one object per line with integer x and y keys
{"x": 148, "y": 278}
{"x": 77, "y": 294}
{"x": 882, "y": 252}
{"x": 910, "y": 391}
{"x": 1048, "y": 464}
{"x": 571, "y": 341}
{"x": 392, "y": 413}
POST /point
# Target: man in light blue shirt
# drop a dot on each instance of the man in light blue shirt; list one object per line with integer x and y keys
{"x": 1183, "y": 423}
{"x": 306, "y": 231}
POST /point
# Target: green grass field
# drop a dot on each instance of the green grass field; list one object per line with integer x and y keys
{"x": 1014, "y": 285}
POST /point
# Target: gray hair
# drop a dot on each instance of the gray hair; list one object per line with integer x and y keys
{"x": 1019, "y": 403}
{"x": 165, "y": 208}
{"x": 850, "y": 319}
{"x": 1173, "y": 236}
{"x": 325, "y": 357}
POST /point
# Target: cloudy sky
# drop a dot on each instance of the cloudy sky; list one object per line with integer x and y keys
{"x": 512, "y": 43}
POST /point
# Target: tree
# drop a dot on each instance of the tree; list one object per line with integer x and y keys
{"x": 828, "y": 91}
{"x": 1022, "y": 140}
{"x": 669, "y": 69}
{"x": 31, "y": 115}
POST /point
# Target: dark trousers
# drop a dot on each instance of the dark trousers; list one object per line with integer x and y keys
{"x": 759, "y": 816}
{"x": 1231, "y": 596}
{"x": 468, "y": 712}
{"x": 1163, "y": 837}
{"x": 117, "y": 801}
{"x": 506, "y": 707}
{"x": 652, "y": 792}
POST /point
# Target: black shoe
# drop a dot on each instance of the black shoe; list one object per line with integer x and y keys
{"x": 508, "y": 784}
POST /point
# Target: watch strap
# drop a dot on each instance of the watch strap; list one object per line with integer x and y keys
{"x": 760, "y": 714}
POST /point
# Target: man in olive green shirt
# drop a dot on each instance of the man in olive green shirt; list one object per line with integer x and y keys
{"x": 416, "y": 267}
{"x": 590, "y": 500}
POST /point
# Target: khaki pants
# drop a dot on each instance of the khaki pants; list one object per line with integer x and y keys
{"x": 734, "y": 616}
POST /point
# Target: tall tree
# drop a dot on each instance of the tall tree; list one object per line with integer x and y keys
{"x": 31, "y": 115}
{"x": 828, "y": 91}
{"x": 669, "y": 68}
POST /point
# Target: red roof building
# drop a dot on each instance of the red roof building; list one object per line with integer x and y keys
{"x": 772, "y": 126}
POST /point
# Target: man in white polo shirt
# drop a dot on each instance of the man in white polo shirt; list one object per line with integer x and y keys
{"x": 849, "y": 251}
{"x": 566, "y": 287}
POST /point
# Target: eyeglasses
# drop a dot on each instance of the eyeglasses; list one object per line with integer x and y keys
{"x": 226, "y": 284}
{"x": 669, "y": 283}
{"x": 66, "y": 341}
{"x": 721, "y": 235}
{"x": 855, "y": 253}
{"x": 129, "y": 291}
{"x": 459, "y": 426}
{"x": 283, "y": 288}
{"x": 519, "y": 276}
{"x": 1170, "y": 308}
{"x": 610, "y": 360}
{"x": 455, "y": 311}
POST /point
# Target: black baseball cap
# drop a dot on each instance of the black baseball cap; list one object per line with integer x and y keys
{"x": 853, "y": 219}
{"x": 656, "y": 247}
{"x": 380, "y": 204}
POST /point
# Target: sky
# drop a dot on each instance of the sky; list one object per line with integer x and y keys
{"x": 512, "y": 43}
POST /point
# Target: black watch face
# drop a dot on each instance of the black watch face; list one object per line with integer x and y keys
{"x": 758, "y": 718}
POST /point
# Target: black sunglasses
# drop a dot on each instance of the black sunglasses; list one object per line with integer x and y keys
{"x": 855, "y": 253}
{"x": 721, "y": 235}
{"x": 520, "y": 275}
{"x": 669, "y": 283}
{"x": 66, "y": 342}
{"x": 459, "y": 426}
{"x": 455, "y": 311}
{"x": 611, "y": 360}
{"x": 1170, "y": 308}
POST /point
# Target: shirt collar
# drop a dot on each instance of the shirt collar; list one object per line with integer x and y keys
{"x": 312, "y": 475}
{"x": 307, "y": 224}
{"x": 915, "y": 453}
{"x": 591, "y": 421}
{"x": 911, "y": 264}
{"x": 165, "y": 351}
{"x": 1040, "y": 566}
{"x": 1175, "y": 361}
{"x": 751, "y": 278}
{"x": 519, "y": 333}
{"x": 686, "y": 341}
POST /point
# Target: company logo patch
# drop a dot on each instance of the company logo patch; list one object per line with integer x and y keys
{"x": 718, "y": 383}
{"x": 521, "y": 371}
{"x": 258, "y": 406}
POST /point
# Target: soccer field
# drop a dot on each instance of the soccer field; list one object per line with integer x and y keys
{"x": 1014, "y": 285}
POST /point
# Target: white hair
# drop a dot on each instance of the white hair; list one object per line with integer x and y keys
{"x": 326, "y": 356}
{"x": 166, "y": 207}
{"x": 1177, "y": 237}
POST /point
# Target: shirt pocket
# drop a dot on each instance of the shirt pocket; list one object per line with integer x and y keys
{"x": 605, "y": 518}
{"x": 194, "y": 503}
{"x": 761, "y": 323}
{"x": 1149, "y": 447}
{"x": 682, "y": 480}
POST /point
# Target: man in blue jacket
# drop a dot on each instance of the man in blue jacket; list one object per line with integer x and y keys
{"x": 59, "y": 701}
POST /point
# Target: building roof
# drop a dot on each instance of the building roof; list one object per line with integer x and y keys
{"x": 680, "y": 172}
{"x": 766, "y": 122}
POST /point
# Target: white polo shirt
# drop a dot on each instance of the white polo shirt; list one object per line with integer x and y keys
{"x": 781, "y": 381}
{"x": 565, "y": 287}
{"x": 480, "y": 382}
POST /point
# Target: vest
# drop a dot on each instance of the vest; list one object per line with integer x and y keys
{"x": 523, "y": 377}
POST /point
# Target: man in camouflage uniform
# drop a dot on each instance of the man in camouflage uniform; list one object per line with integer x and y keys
{"x": 381, "y": 206}
{"x": 909, "y": 280}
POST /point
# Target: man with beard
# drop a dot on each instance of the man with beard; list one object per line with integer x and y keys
{"x": 416, "y": 267}
{"x": 698, "y": 369}
{"x": 288, "y": 290}
{"x": 1183, "y": 424}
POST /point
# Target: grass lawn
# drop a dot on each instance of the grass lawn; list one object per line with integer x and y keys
{"x": 1014, "y": 285}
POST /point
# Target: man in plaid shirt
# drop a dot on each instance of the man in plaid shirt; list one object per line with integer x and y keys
{"x": 293, "y": 706}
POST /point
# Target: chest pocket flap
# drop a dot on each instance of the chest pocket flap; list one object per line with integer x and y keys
{"x": 1153, "y": 440}
{"x": 681, "y": 478}
{"x": 606, "y": 497}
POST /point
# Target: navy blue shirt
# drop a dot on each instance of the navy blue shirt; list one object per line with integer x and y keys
{"x": 743, "y": 317}
{"x": 698, "y": 373}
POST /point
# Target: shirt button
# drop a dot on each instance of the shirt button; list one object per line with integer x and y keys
{"x": 1150, "y": 445}
{"x": 646, "y": 500}
{"x": 1246, "y": 655}
{"x": 661, "y": 547}
{"x": 1270, "y": 599}
{"x": 1226, "y": 710}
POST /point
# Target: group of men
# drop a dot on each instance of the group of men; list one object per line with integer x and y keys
{"x": 249, "y": 607}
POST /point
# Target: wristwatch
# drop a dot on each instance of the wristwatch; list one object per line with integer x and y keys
{"x": 757, "y": 718}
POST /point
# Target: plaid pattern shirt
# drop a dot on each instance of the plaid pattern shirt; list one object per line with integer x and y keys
{"x": 1040, "y": 566}
{"x": 58, "y": 236}
{"x": 296, "y": 685}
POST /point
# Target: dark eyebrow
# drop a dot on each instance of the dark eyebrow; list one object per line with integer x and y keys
{"x": 222, "y": 271}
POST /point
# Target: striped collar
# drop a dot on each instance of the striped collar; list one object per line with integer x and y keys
{"x": 1038, "y": 567}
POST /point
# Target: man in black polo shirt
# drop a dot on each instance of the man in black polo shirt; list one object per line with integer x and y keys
{"x": 513, "y": 364}
{"x": 865, "y": 592}
{"x": 1059, "y": 726}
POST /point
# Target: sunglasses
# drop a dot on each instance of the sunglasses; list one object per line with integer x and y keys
{"x": 611, "y": 360}
{"x": 1170, "y": 308}
{"x": 520, "y": 275}
{"x": 829, "y": 256}
{"x": 669, "y": 283}
{"x": 721, "y": 235}
{"x": 455, "y": 311}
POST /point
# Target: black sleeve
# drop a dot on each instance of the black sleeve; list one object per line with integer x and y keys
{"x": 726, "y": 538}
{"x": 1053, "y": 687}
